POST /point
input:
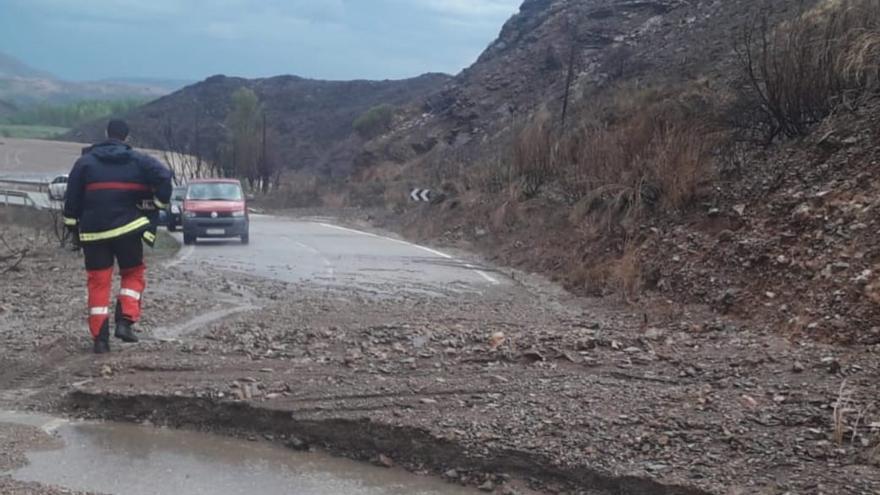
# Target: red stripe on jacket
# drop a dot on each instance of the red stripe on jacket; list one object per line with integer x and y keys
{"x": 117, "y": 186}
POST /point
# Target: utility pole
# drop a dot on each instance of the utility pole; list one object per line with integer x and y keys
{"x": 264, "y": 166}
{"x": 570, "y": 77}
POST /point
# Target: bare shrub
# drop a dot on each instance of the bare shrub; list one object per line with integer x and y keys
{"x": 842, "y": 408}
{"x": 647, "y": 149}
{"x": 533, "y": 158}
{"x": 796, "y": 74}
{"x": 635, "y": 150}
{"x": 11, "y": 256}
{"x": 297, "y": 189}
{"x": 626, "y": 273}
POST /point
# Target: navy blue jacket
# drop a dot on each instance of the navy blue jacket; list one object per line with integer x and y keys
{"x": 114, "y": 191}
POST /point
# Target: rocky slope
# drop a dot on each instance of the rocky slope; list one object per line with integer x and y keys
{"x": 603, "y": 42}
{"x": 781, "y": 235}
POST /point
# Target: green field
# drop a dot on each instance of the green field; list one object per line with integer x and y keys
{"x": 31, "y": 131}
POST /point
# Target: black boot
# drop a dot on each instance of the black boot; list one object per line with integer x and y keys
{"x": 102, "y": 343}
{"x": 124, "y": 331}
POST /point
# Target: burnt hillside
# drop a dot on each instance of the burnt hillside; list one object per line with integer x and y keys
{"x": 309, "y": 121}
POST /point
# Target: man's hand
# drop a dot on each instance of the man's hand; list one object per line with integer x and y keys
{"x": 73, "y": 236}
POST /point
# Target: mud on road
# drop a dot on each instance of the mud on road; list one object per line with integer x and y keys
{"x": 521, "y": 389}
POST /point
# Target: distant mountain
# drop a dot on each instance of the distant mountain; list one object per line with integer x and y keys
{"x": 7, "y": 109}
{"x": 23, "y": 86}
{"x": 309, "y": 121}
{"x": 13, "y": 67}
{"x": 170, "y": 85}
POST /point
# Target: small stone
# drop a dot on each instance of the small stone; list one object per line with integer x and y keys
{"x": 428, "y": 401}
{"x": 496, "y": 339}
{"x": 571, "y": 357}
{"x": 798, "y": 367}
{"x": 832, "y": 364}
{"x": 499, "y": 379}
{"x": 488, "y": 486}
{"x": 654, "y": 467}
{"x": 384, "y": 461}
{"x": 533, "y": 355}
{"x": 295, "y": 443}
{"x": 451, "y": 474}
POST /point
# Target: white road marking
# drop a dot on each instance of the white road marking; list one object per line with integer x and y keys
{"x": 481, "y": 273}
{"x": 328, "y": 266}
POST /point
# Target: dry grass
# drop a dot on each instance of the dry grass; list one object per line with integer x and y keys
{"x": 636, "y": 151}
{"x": 842, "y": 408}
{"x": 626, "y": 274}
{"x": 534, "y": 158}
{"x": 639, "y": 149}
{"x": 847, "y": 417}
{"x": 799, "y": 72}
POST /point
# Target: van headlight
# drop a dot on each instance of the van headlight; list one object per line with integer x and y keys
{"x": 238, "y": 214}
{"x": 189, "y": 214}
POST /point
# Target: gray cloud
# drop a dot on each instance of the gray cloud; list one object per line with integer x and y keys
{"x": 195, "y": 38}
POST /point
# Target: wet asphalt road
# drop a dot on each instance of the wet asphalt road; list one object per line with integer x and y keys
{"x": 321, "y": 254}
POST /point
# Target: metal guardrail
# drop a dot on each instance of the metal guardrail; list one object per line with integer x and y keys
{"x": 42, "y": 185}
{"x": 9, "y": 197}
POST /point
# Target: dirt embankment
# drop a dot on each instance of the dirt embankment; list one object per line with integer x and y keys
{"x": 524, "y": 388}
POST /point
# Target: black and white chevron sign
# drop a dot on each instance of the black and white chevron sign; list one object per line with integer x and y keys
{"x": 420, "y": 195}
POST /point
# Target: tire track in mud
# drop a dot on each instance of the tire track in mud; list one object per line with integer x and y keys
{"x": 196, "y": 323}
{"x": 53, "y": 363}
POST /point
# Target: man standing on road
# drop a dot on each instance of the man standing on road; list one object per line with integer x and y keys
{"x": 113, "y": 193}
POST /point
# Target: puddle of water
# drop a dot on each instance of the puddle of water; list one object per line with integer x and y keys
{"x": 133, "y": 460}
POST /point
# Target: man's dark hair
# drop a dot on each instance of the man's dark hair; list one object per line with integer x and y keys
{"x": 117, "y": 129}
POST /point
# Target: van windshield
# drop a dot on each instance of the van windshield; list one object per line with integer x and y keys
{"x": 214, "y": 191}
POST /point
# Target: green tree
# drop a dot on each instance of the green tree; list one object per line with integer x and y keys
{"x": 243, "y": 136}
{"x": 374, "y": 122}
{"x": 73, "y": 114}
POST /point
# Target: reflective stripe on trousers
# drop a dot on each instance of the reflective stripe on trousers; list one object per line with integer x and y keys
{"x": 99, "y": 282}
{"x": 130, "y": 293}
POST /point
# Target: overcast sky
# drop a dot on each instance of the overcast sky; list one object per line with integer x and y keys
{"x": 192, "y": 39}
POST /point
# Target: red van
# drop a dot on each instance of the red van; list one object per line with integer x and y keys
{"x": 215, "y": 208}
